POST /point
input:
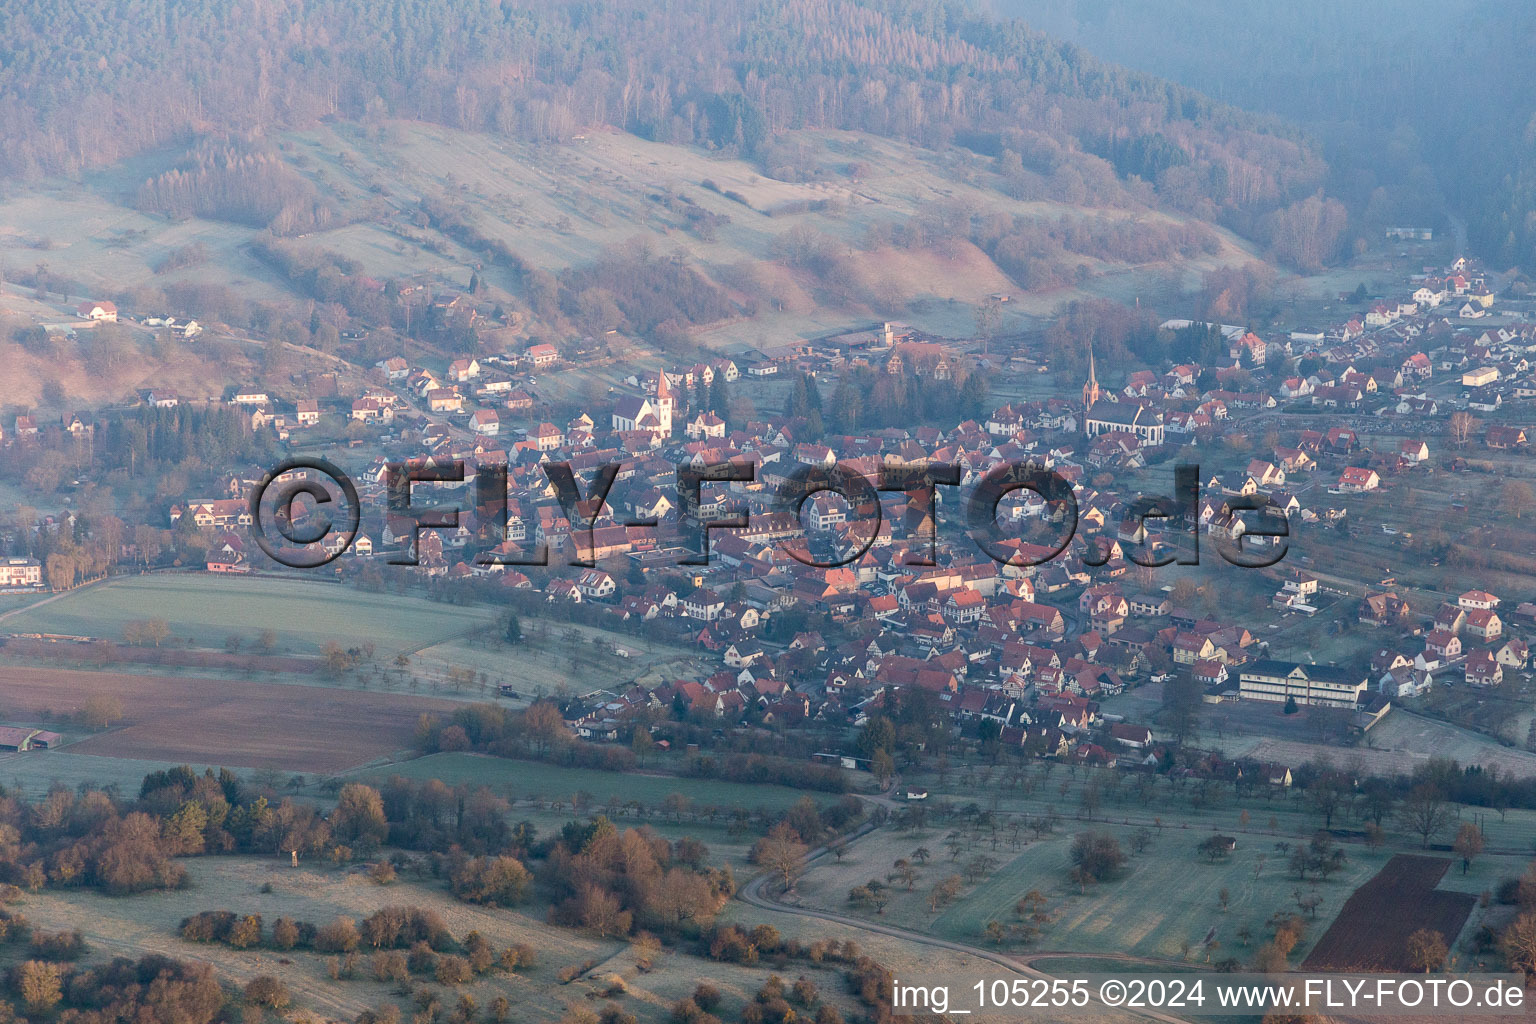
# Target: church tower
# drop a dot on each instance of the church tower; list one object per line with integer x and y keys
{"x": 1091, "y": 388}
{"x": 664, "y": 404}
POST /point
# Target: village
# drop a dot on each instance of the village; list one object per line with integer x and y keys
{"x": 1022, "y": 651}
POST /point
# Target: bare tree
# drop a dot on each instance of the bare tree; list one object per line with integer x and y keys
{"x": 1425, "y": 813}
{"x": 1460, "y": 428}
{"x": 782, "y": 852}
{"x": 101, "y": 710}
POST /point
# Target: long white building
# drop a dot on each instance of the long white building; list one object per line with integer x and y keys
{"x": 1321, "y": 685}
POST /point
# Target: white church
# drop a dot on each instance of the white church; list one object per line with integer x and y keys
{"x": 640, "y": 412}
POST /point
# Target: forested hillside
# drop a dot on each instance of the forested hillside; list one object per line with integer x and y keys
{"x": 91, "y": 84}
{"x": 1425, "y": 109}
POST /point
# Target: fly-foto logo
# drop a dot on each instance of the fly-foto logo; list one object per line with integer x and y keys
{"x": 314, "y": 507}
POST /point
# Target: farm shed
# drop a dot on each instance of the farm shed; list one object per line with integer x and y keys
{"x": 14, "y": 738}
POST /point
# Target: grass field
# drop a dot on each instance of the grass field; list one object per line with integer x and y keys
{"x": 33, "y": 773}
{"x": 1013, "y": 796}
{"x": 1167, "y": 896}
{"x": 558, "y": 657}
{"x": 527, "y": 779}
{"x": 206, "y": 609}
{"x": 147, "y": 924}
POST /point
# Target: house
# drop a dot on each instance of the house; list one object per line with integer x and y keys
{"x": 1210, "y": 673}
{"x": 20, "y": 572}
{"x": 1406, "y": 681}
{"x": 1189, "y": 648}
{"x": 221, "y": 514}
{"x": 1384, "y": 609}
{"x": 1500, "y": 437}
{"x": 98, "y": 311}
{"x": 395, "y": 368}
{"x": 372, "y": 410}
{"x": 1484, "y": 623}
{"x": 485, "y": 422}
{"x": 705, "y": 425}
{"x": 1443, "y": 644}
{"x": 1450, "y": 617}
{"x": 1483, "y": 669}
{"x": 1302, "y": 584}
{"x": 1266, "y": 474}
{"x": 464, "y": 370}
{"x": 596, "y": 584}
{"x": 1477, "y": 600}
{"x": 1513, "y": 654}
{"x": 542, "y": 355}
{"x": 307, "y": 412}
{"x": 1357, "y": 480}
{"x": 546, "y": 437}
{"x": 964, "y": 607}
{"x": 1136, "y": 737}
{"x": 703, "y": 604}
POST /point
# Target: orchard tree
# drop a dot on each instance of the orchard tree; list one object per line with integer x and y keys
{"x": 1427, "y": 950}
{"x": 1468, "y": 844}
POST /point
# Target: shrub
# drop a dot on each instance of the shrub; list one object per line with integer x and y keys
{"x": 285, "y": 934}
{"x": 390, "y": 965}
{"x": 207, "y": 926}
{"x": 422, "y": 959}
{"x": 340, "y": 936}
{"x": 246, "y": 932}
{"x": 265, "y": 990}
{"x": 58, "y": 945}
{"x": 495, "y": 881}
{"x": 400, "y": 927}
{"x": 453, "y": 970}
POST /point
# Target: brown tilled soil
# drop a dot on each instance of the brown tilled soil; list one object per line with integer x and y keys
{"x": 1371, "y": 931}
{"x": 226, "y": 722}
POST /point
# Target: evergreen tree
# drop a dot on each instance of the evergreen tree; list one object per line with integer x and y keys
{"x": 847, "y": 407}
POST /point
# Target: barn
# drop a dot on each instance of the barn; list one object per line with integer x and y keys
{"x": 14, "y": 738}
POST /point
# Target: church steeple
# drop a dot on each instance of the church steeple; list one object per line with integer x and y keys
{"x": 664, "y": 404}
{"x": 1091, "y": 387}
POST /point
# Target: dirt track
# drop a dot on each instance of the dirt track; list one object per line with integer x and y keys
{"x": 226, "y": 722}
